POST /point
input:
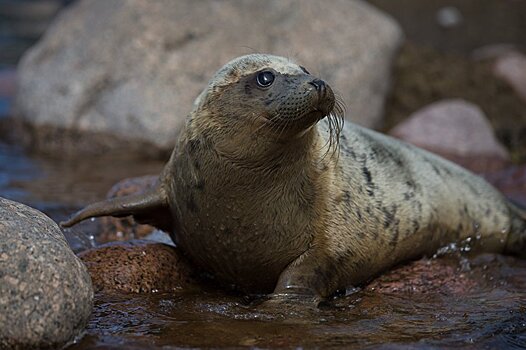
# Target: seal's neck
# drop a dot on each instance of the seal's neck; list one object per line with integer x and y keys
{"x": 265, "y": 153}
{"x": 252, "y": 143}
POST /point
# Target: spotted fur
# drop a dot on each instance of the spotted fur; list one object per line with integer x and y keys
{"x": 256, "y": 197}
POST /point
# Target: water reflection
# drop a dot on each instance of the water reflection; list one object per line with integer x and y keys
{"x": 58, "y": 187}
{"x": 15, "y": 169}
{"x": 55, "y": 182}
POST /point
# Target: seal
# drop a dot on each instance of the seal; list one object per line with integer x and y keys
{"x": 268, "y": 190}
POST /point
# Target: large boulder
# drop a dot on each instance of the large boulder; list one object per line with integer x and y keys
{"x": 132, "y": 68}
{"x": 46, "y": 295}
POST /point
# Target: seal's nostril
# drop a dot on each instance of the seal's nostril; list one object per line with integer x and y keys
{"x": 318, "y": 84}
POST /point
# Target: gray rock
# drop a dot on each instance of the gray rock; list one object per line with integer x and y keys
{"x": 133, "y": 68}
{"x": 46, "y": 294}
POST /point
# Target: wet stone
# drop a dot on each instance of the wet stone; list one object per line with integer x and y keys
{"x": 137, "y": 267}
{"x": 46, "y": 295}
{"x": 424, "y": 276}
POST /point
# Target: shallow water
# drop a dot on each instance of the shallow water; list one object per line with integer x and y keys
{"x": 491, "y": 315}
{"x": 484, "y": 306}
{"x": 51, "y": 184}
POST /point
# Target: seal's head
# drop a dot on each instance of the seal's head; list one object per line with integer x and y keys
{"x": 270, "y": 98}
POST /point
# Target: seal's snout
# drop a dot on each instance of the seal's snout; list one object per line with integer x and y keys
{"x": 325, "y": 96}
{"x": 319, "y": 85}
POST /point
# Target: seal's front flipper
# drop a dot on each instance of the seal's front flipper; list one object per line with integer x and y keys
{"x": 312, "y": 275}
{"x": 150, "y": 208}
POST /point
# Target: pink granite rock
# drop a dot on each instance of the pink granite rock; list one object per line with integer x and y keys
{"x": 137, "y": 267}
{"x": 457, "y": 130}
{"x": 424, "y": 276}
{"x": 511, "y": 67}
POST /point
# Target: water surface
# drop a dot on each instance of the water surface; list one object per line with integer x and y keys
{"x": 491, "y": 314}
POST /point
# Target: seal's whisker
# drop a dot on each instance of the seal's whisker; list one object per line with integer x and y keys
{"x": 335, "y": 122}
{"x": 272, "y": 123}
{"x": 284, "y": 127}
{"x": 275, "y": 125}
{"x": 340, "y": 107}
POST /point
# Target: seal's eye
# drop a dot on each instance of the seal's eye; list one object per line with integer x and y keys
{"x": 265, "y": 78}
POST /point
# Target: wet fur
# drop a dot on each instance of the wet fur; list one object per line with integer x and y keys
{"x": 269, "y": 200}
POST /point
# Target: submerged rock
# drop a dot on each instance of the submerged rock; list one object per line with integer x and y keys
{"x": 457, "y": 130}
{"x": 424, "y": 276}
{"x": 131, "y": 69}
{"x": 137, "y": 267}
{"x": 46, "y": 295}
